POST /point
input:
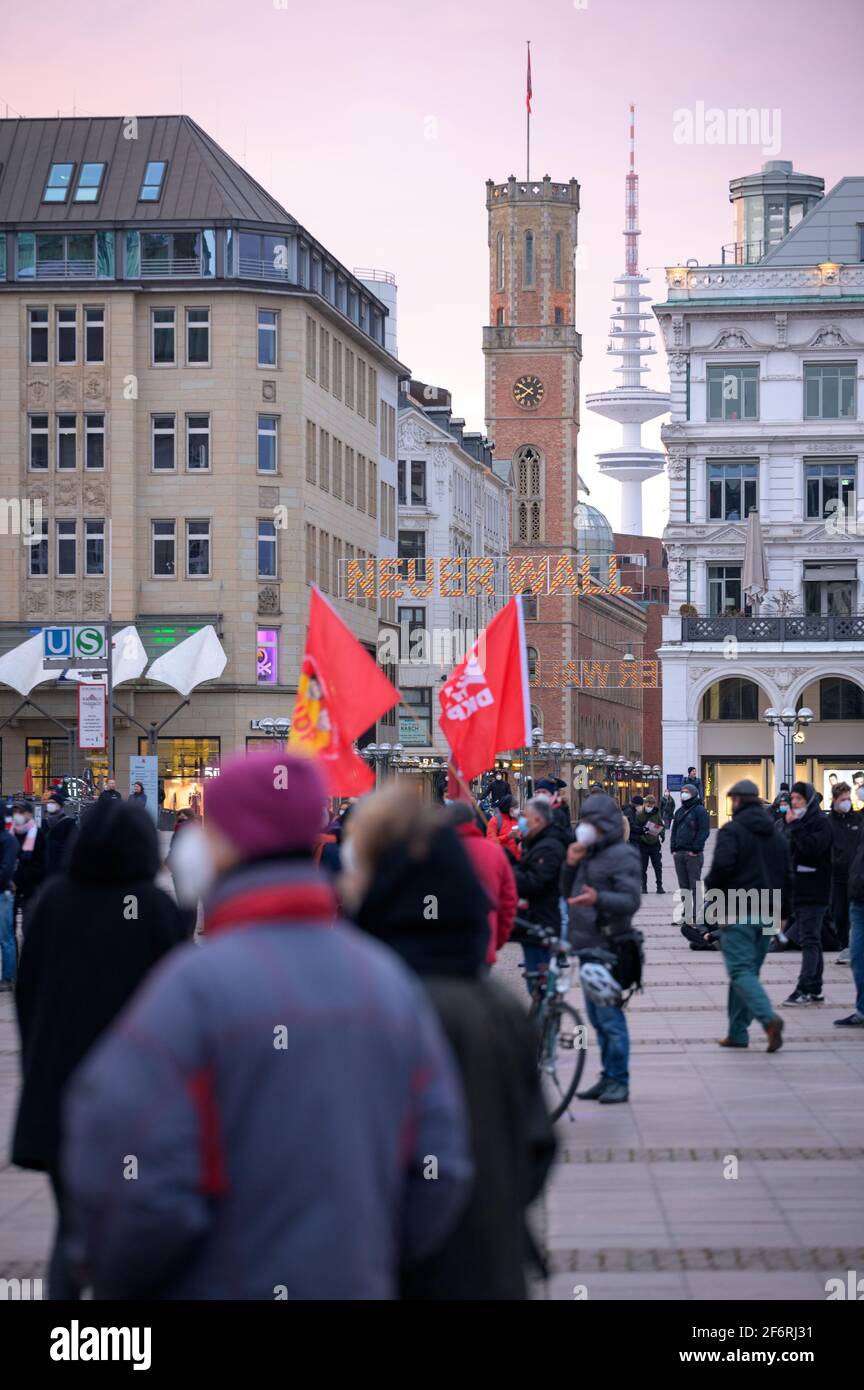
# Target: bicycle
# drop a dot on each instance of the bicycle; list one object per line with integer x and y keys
{"x": 562, "y": 1035}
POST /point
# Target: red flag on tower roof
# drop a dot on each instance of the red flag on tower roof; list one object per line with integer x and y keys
{"x": 529, "y": 91}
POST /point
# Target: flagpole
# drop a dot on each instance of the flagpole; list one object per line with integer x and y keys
{"x": 528, "y": 120}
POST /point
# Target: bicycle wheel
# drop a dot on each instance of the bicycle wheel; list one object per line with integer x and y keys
{"x": 561, "y": 1055}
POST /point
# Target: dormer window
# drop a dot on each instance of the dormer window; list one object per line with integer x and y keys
{"x": 89, "y": 183}
{"x": 59, "y": 183}
{"x": 151, "y": 187}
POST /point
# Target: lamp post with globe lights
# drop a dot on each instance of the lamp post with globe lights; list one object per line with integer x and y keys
{"x": 788, "y": 723}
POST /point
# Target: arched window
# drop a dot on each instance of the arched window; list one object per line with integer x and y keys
{"x": 529, "y": 606}
{"x": 734, "y": 698}
{"x": 528, "y": 278}
{"x": 532, "y": 662}
{"x": 558, "y": 261}
{"x": 529, "y": 491}
{"x": 840, "y": 699}
{"x": 499, "y": 261}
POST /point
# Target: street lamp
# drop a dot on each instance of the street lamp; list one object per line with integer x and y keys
{"x": 788, "y": 722}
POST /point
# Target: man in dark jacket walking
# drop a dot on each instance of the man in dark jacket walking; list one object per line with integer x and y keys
{"x": 61, "y": 829}
{"x": 282, "y": 1087}
{"x": 690, "y": 827}
{"x": 537, "y": 874}
{"x": 8, "y": 942}
{"x": 810, "y": 840}
{"x": 847, "y": 832}
{"x": 600, "y": 882}
{"x": 750, "y": 871}
{"x": 94, "y": 932}
{"x": 30, "y": 867}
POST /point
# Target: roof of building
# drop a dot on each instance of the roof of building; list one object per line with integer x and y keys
{"x": 594, "y": 535}
{"x": 829, "y": 232}
{"x": 201, "y": 182}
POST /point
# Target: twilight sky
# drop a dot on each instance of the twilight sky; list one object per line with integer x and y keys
{"x": 377, "y": 124}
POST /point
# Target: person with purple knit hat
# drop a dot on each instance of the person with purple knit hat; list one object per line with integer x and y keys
{"x": 281, "y": 1086}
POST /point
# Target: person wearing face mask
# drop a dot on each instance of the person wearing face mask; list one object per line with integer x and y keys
{"x": 690, "y": 828}
{"x": 810, "y": 842}
{"x": 781, "y": 803}
{"x": 30, "y": 866}
{"x": 651, "y": 836}
{"x": 282, "y": 1086}
{"x": 544, "y": 845}
{"x": 847, "y": 831}
{"x": 94, "y": 932}
{"x": 184, "y": 870}
{"x": 61, "y": 831}
{"x": 600, "y": 882}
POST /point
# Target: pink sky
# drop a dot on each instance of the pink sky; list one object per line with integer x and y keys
{"x": 332, "y": 106}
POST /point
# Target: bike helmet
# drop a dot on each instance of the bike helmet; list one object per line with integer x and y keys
{"x": 599, "y": 985}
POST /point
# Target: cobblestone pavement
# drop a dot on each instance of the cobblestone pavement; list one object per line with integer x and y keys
{"x": 638, "y": 1206}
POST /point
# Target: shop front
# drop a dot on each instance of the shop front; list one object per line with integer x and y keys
{"x": 186, "y": 765}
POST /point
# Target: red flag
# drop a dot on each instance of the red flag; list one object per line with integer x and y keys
{"x": 529, "y": 91}
{"x": 485, "y": 704}
{"x": 340, "y": 693}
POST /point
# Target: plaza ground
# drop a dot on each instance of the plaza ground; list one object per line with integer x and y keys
{"x": 638, "y": 1206}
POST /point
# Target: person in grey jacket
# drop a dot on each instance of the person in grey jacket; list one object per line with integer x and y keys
{"x": 601, "y": 882}
{"x": 279, "y": 1090}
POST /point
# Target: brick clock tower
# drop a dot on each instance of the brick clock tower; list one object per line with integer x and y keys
{"x": 532, "y": 353}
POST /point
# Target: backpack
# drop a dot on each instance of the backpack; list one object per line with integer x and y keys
{"x": 629, "y": 949}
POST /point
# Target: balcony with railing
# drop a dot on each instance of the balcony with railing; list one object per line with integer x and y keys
{"x": 172, "y": 268}
{"x": 742, "y": 280}
{"x": 790, "y": 627}
{"x": 743, "y": 252}
{"x": 258, "y": 268}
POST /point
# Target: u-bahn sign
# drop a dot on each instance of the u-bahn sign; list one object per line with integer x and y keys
{"x": 84, "y": 646}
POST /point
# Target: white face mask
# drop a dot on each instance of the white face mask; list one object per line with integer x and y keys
{"x": 586, "y": 834}
{"x": 844, "y": 806}
{"x": 52, "y": 806}
{"x": 19, "y": 820}
{"x": 685, "y": 796}
{"x": 798, "y": 810}
{"x": 192, "y": 866}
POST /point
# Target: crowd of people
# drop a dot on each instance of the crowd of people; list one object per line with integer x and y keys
{"x": 327, "y": 1093}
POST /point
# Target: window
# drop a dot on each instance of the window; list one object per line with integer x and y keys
{"x": 311, "y": 555}
{"x": 829, "y": 488}
{"x": 67, "y": 546}
{"x": 415, "y": 729}
{"x": 499, "y": 318}
{"x": 267, "y": 257}
{"x": 59, "y": 183}
{"x": 197, "y": 337}
{"x": 528, "y": 279}
{"x": 268, "y": 658}
{"x": 829, "y": 391}
{"x": 72, "y": 256}
{"x": 418, "y": 482}
{"x": 151, "y": 185}
{"x": 412, "y": 635}
{"x": 349, "y": 476}
{"x": 197, "y": 549}
{"x": 840, "y": 699}
{"x": 311, "y": 465}
{"x": 349, "y": 378}
{"x": 38, "y": 335}
{"x": 558, "y": 261}
{"x": 324, "y": 561}
{"x": 67, "y": 446}
{"x": 388, "y": 431}
{"x": 499, "y": 261}
{"x": 372, "y": 507}
{"x": 89, "y": 183}
{"x": 311, "y": 347}
{"x": 164, "y": 549}
{"x": 67, "y": 335}
{"x": 559, "y": 316}
{"x": 724, "y": 589}
{"x": 337, "y": 369}
{"x": 164, "y": 435}
{"x": 38, "y": 551}
{"x": 361, "y": 387}
{"x": 94, "y": 441}
{"x": 164, "y": 345}
{"x": 733, "y": 393}
{"x": 324, "y": 359}
{"x": 94, "y": 335}
{"x": 324, "y": 460}
{"x": 197, "y": 442}
{"x": 830, "y": 588}
{"x": 361, "y": 483}
{"x": 94, "y": 548}
{"x": 38, "y": 441}
{"x": 172, "y": 253}
{"x": 532, "y": 663}
{"x": 529, "y": 486}
{"x": 731, "y": 699}
{"x": 268, "y": 321}
{"x": 372, "y": 408}
{"x": 336, "y": 461}
{"x": 412, "y": 546}
{"x": 268, "y": 443}
{"x": 266, "y": 549}
{"x": 732, "y": 490}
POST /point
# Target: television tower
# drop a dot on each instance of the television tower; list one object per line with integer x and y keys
{"x": 630, "y": 403}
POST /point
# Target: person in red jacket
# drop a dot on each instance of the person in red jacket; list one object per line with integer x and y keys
{"x": 492, "y": 867}
{"x": 503, "y": 828}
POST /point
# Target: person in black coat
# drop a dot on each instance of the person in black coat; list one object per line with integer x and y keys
{"x": 537, "y": 872}
{"x": 405, "y": 858}
{"x": 8, "y": 939}
{"x": 691, "y": 826}
{"x": 847, "y": 831}
{"x": 810, "y": 843}
{"x": 94, "y": 933}
{"x": 60, "y": 830}
{"x": 30, "y": 868}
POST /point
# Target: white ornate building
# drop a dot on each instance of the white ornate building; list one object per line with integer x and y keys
{"x": 453, "y": 501}
{"x": 766, "y": 363}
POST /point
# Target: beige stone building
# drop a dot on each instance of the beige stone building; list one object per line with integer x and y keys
{"x": 199, "y": 397}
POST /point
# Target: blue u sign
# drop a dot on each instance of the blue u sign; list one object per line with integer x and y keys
{"x": 57, "y": 643}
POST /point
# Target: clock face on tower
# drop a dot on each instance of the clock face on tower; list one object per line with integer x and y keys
{"x": 528, "y": 392}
